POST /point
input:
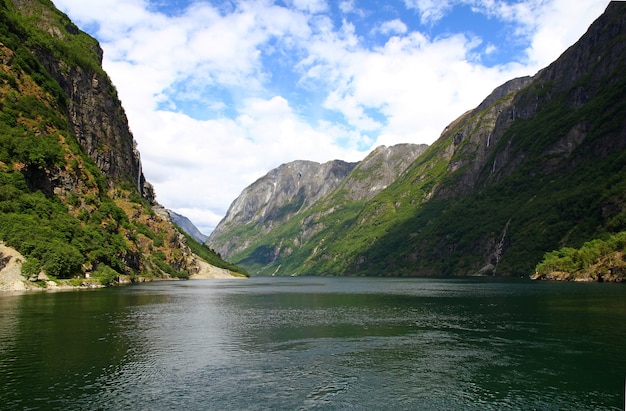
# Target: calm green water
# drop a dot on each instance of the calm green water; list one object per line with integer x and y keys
{"x": 317, "y": 343}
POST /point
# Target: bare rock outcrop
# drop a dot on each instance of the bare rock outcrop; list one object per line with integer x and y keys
{"x": 11, "y": 278}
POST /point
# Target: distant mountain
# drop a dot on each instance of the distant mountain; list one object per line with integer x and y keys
{"x": 187, "y": 226}
{"x": 274, "y": 199}
{"x": 73, "y": 199}
{"x": 537, "y": 166}
{"x": 297, "y": 198}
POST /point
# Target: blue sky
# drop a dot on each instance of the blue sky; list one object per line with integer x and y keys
{"x": 219, "y": 92}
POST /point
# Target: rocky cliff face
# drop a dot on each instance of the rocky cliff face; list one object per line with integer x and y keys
{"x": 474, "y": 138}
{"x": 187, "y": 226}
{"x": 581, "y": 75}
{"x": 379, "y": 169}
{"x": 286, "y": 190}
{"x": 276, "y": 197}
{"x": 96, "y": 116}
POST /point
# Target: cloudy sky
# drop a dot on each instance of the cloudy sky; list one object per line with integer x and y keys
{"x": 219, "y": 92}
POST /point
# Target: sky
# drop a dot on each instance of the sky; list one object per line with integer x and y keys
{"x": 219, "y": 92}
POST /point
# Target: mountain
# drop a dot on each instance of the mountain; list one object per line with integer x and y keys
{"x": 187, "y": 226}
{"x": 274, "y": 199}
{"x": 297, "y": 199}
{"x": 74, "y": 201}
{"x": 539, "y": 165}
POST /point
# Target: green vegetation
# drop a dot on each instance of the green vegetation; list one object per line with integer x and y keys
{"x": 31, "y": 28}
{"x": 595, "y": 259}
{"x": 105, "y": 275}
{"x": 51, "y": 238}
{"x": 209, "y": 255}
{"x": 57, "y": 207}
{"x": 63, "y": 244}
{"x": 159, "y": 258}
{"x": 554, "y": 177}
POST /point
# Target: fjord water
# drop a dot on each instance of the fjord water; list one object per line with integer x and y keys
{"x": 317, "y": 343}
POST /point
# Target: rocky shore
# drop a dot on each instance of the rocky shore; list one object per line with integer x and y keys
{"x": 11, "y": 278}
{"x": 206, "y": 271}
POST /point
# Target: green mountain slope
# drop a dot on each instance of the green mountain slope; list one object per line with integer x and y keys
{"x": 539, "y": 165}
{"x": 554, "y": 176}
{"x": 282, "y": 243}
{"x": 73, "y": 199}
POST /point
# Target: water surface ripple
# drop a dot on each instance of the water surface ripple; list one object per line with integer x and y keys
{"x": 317, "y": 343}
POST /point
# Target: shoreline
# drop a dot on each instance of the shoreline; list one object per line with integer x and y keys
{"x": 12, "y": 280}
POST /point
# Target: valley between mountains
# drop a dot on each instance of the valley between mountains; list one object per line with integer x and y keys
{"x": 531, "y": 182}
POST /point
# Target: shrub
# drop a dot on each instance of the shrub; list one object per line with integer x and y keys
{"x": 105, "y": 275}
{"x": 571, "y": 260}
{"x": 31, "y": 267}
{"x": 61, "y": 260}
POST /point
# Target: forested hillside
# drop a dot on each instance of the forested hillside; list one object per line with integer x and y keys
{"x": 73, "y": 199}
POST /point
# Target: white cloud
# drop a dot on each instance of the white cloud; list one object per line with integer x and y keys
{"x": 430, "y": 10}
{"x": 549, "y": 40}
{"x": 311, "y": 6}
{"x": 417, "y": 84}
{"x": 346, "y": 6}
{"x": 204, "y": 165}
{"x": 395, "y": 26}
{"x": 406, "y": 90}
{"x": 490, "y": 49}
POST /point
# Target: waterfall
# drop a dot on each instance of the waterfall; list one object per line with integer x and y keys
{"x": 500, "y": 246}
{"x": 139, "y": 173}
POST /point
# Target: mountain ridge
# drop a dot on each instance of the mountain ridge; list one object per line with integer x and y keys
{"x": 278, "y": 195}
{"x": 355, "y": 184}
{"x": 187, "y": 226}
{"x": 538, "y": 165}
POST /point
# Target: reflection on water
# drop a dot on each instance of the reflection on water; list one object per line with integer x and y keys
{"x": 306, "y": 343}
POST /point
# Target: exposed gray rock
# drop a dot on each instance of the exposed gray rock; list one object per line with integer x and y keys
{"x": 476, "y": 135}
{"x": 379, "y": 169}
{"x": 292, "y": 188}
{"x": 95, "y": 113}
{"x": 283, "y": 192}
{"x": 276, "y": 197}
{"x": 187, "y": 226}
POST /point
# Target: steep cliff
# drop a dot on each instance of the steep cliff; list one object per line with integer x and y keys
{"x": 283, "y": 231}
{"x": 537, "y": 166}
{"x": 74, "y": 61}
{"x": 274, "y": 199}
{"x": 74, "y": 200}
{"x": 379, "y": 169}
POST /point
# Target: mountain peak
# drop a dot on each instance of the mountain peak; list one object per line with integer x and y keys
{"x": 282, "y": 192}
{"x": 289, "y": 191}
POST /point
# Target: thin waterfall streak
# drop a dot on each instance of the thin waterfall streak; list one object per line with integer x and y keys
{"x": 138, "y": 173}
